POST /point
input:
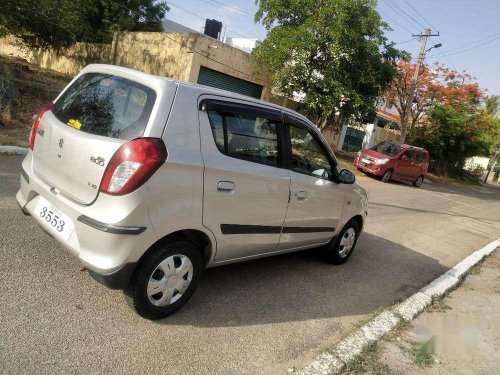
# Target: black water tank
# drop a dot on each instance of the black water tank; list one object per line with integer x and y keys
{"x": 213, "y": 28}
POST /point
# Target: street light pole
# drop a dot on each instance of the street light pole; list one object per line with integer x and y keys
{"x": 421, "y": 55}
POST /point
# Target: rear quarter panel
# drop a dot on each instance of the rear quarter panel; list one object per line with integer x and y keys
{"x": 175, "y": 199}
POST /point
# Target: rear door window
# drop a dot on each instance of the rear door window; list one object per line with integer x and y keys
{"x": 252, "y": 137}
{"x": 420, "y": 157}
{"x": 106, "y": 105}
{"x": 409, "y": 155}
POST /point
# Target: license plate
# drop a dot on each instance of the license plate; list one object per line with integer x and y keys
{"x": 366, "y": 161}
{"x": 57, "y": 222}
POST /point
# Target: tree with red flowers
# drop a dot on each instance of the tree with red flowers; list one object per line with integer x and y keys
{"x": 436, "y": 84}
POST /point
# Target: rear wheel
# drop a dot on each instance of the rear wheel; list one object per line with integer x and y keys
{"x": 341, "y": 248}
{"x": 418, "y": 182}
{"x": 386, "y": 177}
{"x": 166, "y": 279}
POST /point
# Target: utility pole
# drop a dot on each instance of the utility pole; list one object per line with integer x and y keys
{"x": 406, "y": 117}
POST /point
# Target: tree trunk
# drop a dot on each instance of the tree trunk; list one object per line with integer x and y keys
{"x": 496, "y": 175}
{"x": 322, "y": 124}
{"x": 441, "y": 168}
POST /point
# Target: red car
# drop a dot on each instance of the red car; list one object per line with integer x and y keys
{"x": 394, "y": 160}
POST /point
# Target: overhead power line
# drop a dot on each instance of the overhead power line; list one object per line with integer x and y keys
{"x": 197, "y": 52}
{"x": 417, "y": 22}
{"x": 471, "y": 48}
{"x": 471, "y": 43}
{"x": 395, "y": 21}
{"x": 440, "y": 54}
{"x": 474, "y": 45}
{"x": 232, "y": 7}
{"x": 404, "y": 41}
{"x": 204, "y": 18}
{"x": 421, "y": 16}
{"x": 401, "y": 15}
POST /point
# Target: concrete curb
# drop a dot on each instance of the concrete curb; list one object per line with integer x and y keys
{"x": 334, "y": 360}
{"x": 16, "y": 150}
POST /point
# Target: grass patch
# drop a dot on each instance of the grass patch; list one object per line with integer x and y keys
{"x": 396, "y": 333}
{"x": 422, "y": 354}
{"x": 454, "y": 178}
{"x": 476, "y": 270}
{"x": 437, "y": 305}
{"x": 345, "y": 162}
{"x": 368, "y": 362}
{"x": 370, "y": 317}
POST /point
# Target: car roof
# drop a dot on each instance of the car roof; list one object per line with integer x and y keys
{"x": 406, "y": 146}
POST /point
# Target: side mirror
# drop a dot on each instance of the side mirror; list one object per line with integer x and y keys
{"x": 346, "y": 177}
{"x": 405, "y": 158}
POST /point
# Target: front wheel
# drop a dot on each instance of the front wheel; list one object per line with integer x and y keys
{"x": 166, "y": 279}
{"x": 386, "y": 177}
{"x": 341, "y": 248}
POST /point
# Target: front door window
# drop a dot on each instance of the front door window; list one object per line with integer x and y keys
{"x": 308, "y": 156}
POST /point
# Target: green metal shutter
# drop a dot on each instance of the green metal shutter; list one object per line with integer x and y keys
{"x": 213, "y": 78}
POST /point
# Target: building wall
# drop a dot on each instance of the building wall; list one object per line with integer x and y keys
{"x": 163, "y": 54}
{"x": 475, "y": 161}
{"x": 383, "y": 134}
{"x": 69, "y": 61}
{"x": 219, "y": 56}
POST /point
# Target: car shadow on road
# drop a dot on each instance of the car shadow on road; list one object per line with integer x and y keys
{"x": 301, "y": 286}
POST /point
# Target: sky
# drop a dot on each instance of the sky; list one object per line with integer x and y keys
{"x": 469, "y": 29}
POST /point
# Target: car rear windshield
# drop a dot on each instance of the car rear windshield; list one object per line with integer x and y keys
{"x": 387, "y": 148}
{"x": 106, "y": 105}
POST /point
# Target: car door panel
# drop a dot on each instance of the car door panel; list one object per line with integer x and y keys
{"x": 316, "y": 202}
{"x": 314, "y": 219}
{"x": 404, "y": 168}
{"x": 244, "y": 202}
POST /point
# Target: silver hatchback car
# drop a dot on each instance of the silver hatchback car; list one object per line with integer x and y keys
{"x": 148, "y": 181}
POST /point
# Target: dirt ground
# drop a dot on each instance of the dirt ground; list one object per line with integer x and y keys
{"x": 34, "y": 88}
{"x": 459, "y": 334}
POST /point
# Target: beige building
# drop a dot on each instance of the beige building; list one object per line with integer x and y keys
{"x": 191, "y": 57}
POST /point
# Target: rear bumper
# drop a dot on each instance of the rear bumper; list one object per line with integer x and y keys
{"x": 109, "y": 236}
{"x": 115, "y": 280}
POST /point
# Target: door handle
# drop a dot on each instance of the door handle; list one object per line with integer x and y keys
{"x": 225, "y": 186}
{"x": 301, "y": 195}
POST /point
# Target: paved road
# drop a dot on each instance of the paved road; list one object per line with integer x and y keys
{"x": 259, "y": 317}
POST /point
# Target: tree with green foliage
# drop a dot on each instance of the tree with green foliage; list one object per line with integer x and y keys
{"x": 452, "y": 134}
{"x": 60, "y": 23}
{"x": 40, "y": 23}
{"x": 492, "y": 105}
{"x": 332, "y": 52}
{"x": 103, "y": 17}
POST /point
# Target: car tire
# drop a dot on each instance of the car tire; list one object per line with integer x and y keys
{"x": 386, "y": 177}
{"x": 341, "y": 248}
{"x": 419, "y": 181}
{"x": 173, "y": 271}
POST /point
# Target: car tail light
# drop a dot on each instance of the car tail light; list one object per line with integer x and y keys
{"x": 36, "y": 123}
{"x": 132, "y": 165}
